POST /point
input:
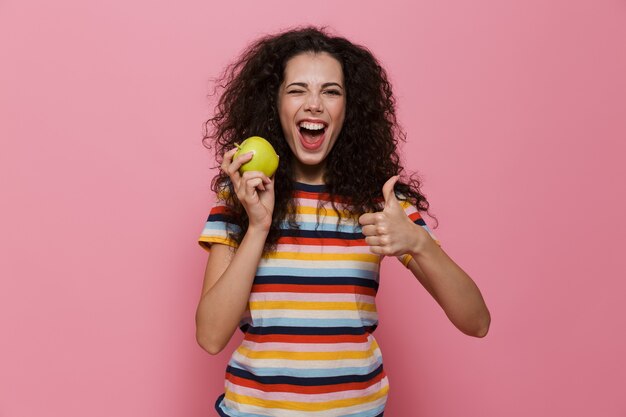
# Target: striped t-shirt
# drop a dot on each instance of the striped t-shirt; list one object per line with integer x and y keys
{"x": 308, "y": 348}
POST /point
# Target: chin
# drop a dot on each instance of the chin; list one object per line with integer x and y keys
{"x": 310, "y": 160}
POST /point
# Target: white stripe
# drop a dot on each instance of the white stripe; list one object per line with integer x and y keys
{"x": 322, "y": 264}
{"x": 308, "y": 347}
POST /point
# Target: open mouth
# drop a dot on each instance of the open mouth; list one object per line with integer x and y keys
{"x": 312, "y": 134}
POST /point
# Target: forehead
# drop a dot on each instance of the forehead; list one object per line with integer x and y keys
{"x": 312, "y": 67}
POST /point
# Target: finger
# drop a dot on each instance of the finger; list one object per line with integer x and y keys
{"x": 248, "y": 175}
{"x": 229, "y": 155}
{"x": 367, "y": 218}
{"x": 388, "y": 193}
{"x": 239, "y": 161}
{"x": 251, "y": 184}
{"x": 250, "y": 187}
{"x": 377, "y": 250}
{"x": 269, "y": 185}
{"x": 369, "y": 230}
{"x": 373, "y": 240}
{"x": 227, "y": 159}
{"x": 378, "y": 240}
{"x": 374, "y": 230}
{"x": 228, "y": 169}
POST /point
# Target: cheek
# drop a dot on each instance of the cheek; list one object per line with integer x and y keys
{"x": 284, "y": 119}
{"x": 286, "y": 112}
{"x": 339, "y": 117}
{"x": 339, "y": 112}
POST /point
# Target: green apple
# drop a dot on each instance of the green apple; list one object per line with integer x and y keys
{"x": 264, "y": 159}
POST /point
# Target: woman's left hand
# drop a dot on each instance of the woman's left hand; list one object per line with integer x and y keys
{"x": 390, "y": 232}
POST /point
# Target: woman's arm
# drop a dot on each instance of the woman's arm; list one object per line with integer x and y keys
{"x": 230, "y": 273}
{"x": 451, "y": 287}
{"x": 391, "y": 233}
{"x": 227, "y": 283}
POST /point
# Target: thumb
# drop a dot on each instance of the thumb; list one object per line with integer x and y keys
{"x": 388, "y": 193}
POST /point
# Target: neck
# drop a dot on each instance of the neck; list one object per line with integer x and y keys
{"x": 309, "y": 174}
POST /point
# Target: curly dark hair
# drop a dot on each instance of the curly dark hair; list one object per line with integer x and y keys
{"x": 365, "y": 153}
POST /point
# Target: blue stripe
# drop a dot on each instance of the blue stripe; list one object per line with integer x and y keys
{"x": 320, "y": 272}
{"x": 308, "y": 373}
{"x": 374, "y": 412}
{"x": 221, "y": 226}
{"x": 328, "y": 226}
{"x": 221, "y": 409}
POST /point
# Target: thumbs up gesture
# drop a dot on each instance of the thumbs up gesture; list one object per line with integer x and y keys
{"x": 390, "y": 232}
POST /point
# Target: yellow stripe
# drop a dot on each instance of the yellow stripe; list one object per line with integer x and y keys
{"x": 309, "y": 405}
{"x": 311, "y": 305}
{"x": 359, "y": 257}
{"x": 308, "y": 356}
{"x": 217, "y": 239}
{"x": 325, "y": 211}
{"x": 223, "y": 194}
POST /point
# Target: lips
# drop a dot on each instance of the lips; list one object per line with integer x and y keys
{"x": 312, "y": 133}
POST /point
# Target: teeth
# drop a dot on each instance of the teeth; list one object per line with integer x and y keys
{"x": 312, "y": 126}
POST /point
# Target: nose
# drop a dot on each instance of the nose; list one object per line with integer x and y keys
{"x": 314, "y": 103}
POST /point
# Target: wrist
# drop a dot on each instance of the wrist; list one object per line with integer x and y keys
{"x": 258, "y": 230}
{"x": 424, "y": 244}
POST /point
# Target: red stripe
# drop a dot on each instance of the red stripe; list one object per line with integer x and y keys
{"x": 325, "y": 289}
{"x": 319, "y": 196}
{"x": 303, "y": 389}
{"x": 415, "y": 216}
{"x": 326, "y": 197}
{"x": 220, "y": 210}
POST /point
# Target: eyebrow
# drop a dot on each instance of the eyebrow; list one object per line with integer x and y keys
{"x": 325, "y": 85}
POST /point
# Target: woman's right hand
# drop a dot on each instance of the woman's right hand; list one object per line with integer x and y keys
{"x": 254, "y": 189}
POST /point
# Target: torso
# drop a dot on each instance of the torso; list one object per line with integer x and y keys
{"x": 308, "y": 343}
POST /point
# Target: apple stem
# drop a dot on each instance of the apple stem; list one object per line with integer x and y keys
{"x": 237, "y": 145}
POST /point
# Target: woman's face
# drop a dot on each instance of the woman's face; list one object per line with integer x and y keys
{"x": 312, "y": 108}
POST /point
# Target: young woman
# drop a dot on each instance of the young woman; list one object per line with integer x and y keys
{"x": 294, "y": 259}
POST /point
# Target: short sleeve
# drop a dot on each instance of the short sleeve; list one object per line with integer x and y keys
{"x": 413, "y": 213}
{"x": 218, "y": 227}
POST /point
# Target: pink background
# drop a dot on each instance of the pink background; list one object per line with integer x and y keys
{"x": 516, "y": 116}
